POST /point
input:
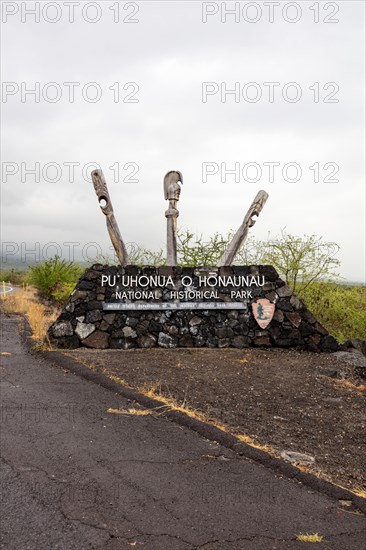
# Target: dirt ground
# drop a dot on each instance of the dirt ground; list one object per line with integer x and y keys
{"x": 285, "y": 400}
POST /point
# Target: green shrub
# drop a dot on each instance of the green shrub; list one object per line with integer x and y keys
{"x": 301, "y": 260}
{"x": 340, "y": 308}
{"x": 193, "y": 251}
{"x": 62, "y": 291}
{"x": 54, "y": 276}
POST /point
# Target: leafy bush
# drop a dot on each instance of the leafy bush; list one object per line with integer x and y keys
{"x": 53, "y": 277}
{"x": 61, "y": 292}
{"x": 301, "y": 261}
{"x": 192, "y": 250}
{"x": 138, "y": 255}
{"x": 340, "y": 308}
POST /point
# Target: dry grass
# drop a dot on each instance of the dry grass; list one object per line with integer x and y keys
{"x": 307, "y": 537}
{"x": 134, "y": 412}
{"x": 253, "y": 443}
{"x": 40, "y": 317}
{"x": 302, "y": 467}
{"x": 347, "y": 384}
{"x": 154, "y": 391}
{"x": 112, "y": 377}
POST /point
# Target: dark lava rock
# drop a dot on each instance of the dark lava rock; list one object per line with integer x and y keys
{"x": 355, "y": 343}
{"x": 98, "y": 340}
{"x": 167, "y": 341}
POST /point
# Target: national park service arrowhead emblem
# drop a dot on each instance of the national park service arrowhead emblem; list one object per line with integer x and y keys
{"x": 263, "y": 311}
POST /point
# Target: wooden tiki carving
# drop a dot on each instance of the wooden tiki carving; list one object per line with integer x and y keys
{"x": 100, "y": 186}
{"x": 242, "y": 233}
{"x": 172, "y": 191}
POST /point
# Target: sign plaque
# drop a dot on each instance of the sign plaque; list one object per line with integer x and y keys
{"x": 135, "y": 306}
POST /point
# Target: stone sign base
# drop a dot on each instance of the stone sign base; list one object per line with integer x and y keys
{"x": 91, "y": 316}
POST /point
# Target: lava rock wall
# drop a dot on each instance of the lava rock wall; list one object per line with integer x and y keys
{"x": 84, "y": 322}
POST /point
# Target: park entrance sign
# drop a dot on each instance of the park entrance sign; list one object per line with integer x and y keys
{"x": 169, "y": 307}
{"x": 129, "y": 306}
{"x": 202, "y": 289}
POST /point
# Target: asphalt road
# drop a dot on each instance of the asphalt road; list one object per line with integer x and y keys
{"x": 77, "y": 477}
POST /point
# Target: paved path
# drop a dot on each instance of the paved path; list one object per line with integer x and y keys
{"x": 77, "y": 477}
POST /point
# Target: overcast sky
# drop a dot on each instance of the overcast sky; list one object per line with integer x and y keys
{"x": 164, "y": 121}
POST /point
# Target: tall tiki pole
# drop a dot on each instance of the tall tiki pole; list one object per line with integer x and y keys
{"x": 242, "y": 233}
{"x": 171, "y": 193}
{"x": 100, "y": 186}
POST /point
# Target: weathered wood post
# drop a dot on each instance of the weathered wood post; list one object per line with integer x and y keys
{"x": 100, "y": 186}
{"x": 171, "y": 193}
{"x": 241, "y": 235}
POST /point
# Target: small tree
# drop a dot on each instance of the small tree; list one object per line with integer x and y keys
{"x": 302, "y": 260}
